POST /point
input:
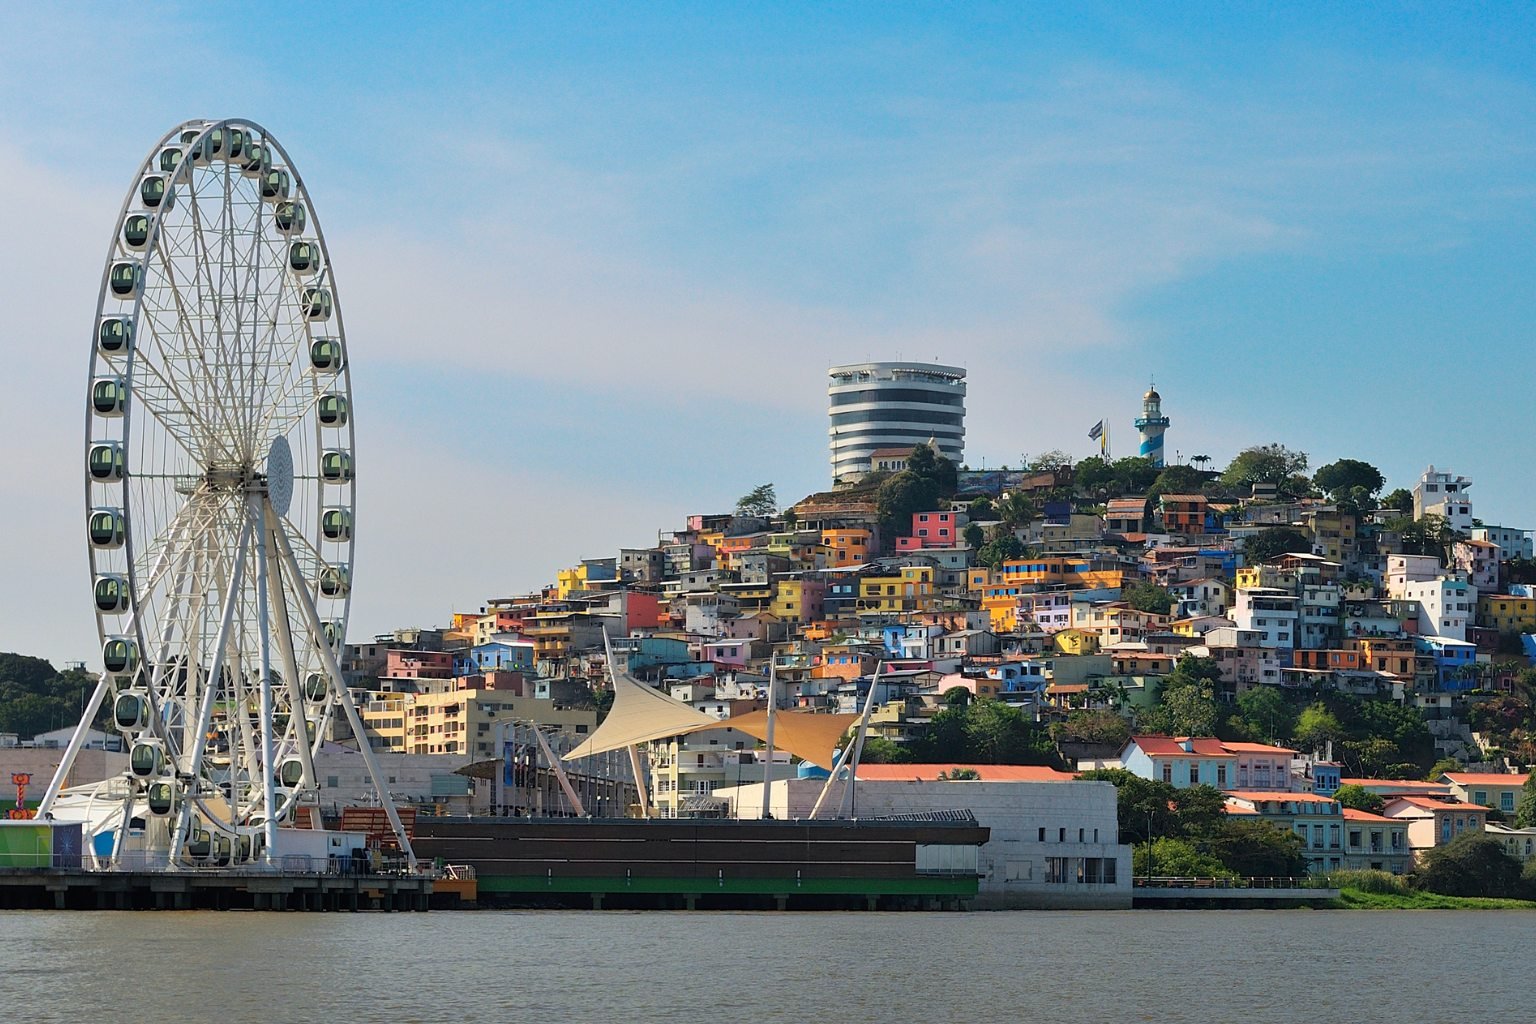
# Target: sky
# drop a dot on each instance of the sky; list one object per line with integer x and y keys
{"x": 596, "y": 259}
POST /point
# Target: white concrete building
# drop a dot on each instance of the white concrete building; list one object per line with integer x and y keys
{"x": 885, "y": 405}
{"x": 1268, "y": 611}
{"x": 1513, "y": 543}
{"x": 1405, "y": 569}
{"x": 1445, "y": 606}
{"x": 1054, "y": 844}
{"x": 1439, "y": 493}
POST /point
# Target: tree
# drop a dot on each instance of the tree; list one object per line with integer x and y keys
{"x": 1146, "y": 596}
{"x": 1130, "y": 475}
{"x": 902, "y": 495}
{"x": 1525, "y": 810}
{"x": 1316, "y": 726}
{"x": 1265, "y": 714}
{"x": 1176, "y": 858}
{"x": 1097, "y": 726}
{"x": 1257, "y": 849}
{"x": 1347, "y": 475}
{"x": 1472, "y": 864}
{"x": 760, "y": 502}
{"x": 1016, "y": 509}
{"x": 1053, "y": 461}
{"x": 1400, "y": 499}
{"x": 1201, "y": 810}
{"x": 1144, "y": 806}
{"x": 879, "y": 750}
{"x": 1359, "y": 798}
{"x": 999, "y": 549}
{"x": 973, "y": 536}
{"x": 1183, "y": 711}
{"x": 981, "y": 510}
{"x": 984, "y": 732}
{"x": 34, "y": 698}
{"x": 1194, "y": 671}
{"x": 1267, "y": 464}
{"x": 1267, "y": 545}
{"x": 956, "y": 697}
{"x": 1440, "y": 767}
{"x": 1179, "y": 480}
{"x": 1428, "y": 535}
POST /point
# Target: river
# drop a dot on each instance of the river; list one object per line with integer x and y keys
{"x": 1235, "y": 967}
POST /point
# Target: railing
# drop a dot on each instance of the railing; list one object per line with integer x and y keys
{"x": 1180, "y": 882}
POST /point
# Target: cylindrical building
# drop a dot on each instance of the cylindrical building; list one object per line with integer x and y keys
{"x": 1152, "y": 424}
{"x": 893, "y": 405}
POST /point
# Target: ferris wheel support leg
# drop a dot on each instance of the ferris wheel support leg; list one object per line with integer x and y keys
{"x": 284, "y": 638}
{"x": 76, "y": 741}
{"x": 333, "y": 669}
{"x": 88, "y": 712}
{"x": 210, "y": 691}
{"x": 268, "y": 773}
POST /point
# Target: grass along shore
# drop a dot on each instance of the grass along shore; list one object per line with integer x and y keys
{"x": 1415, "y": 899}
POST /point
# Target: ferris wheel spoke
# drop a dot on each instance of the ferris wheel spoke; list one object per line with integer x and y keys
{"x": 192, "y": 343}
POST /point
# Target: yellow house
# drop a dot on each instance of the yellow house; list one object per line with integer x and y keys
{"x": 1507, "y": 613}
{"x": 1002, "y": 603}
{"x": 1333, "y": 535}
{"x": 461, "y": 721}
{"x": 1075, "y": 641}
{"x": 846, "y": 547}
{"x": 980, "y": 577}
{"x": 1057, "y": 571}
{"x": 910, "y": 590}
{"x": 1497, "y": 792}
{"x": 1115, "y": 622}
{"x": 797, "y": 601}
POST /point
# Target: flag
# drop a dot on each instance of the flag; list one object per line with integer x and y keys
{"x": 1097, "y": 431}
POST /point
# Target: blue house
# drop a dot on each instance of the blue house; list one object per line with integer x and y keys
{"x": 1452, "y": 658}
{"x": 497, "y": 656}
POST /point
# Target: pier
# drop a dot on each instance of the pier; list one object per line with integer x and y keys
{"x": 75, "y": 889}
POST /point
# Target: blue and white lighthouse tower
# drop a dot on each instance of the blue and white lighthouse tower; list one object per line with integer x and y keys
{"x": 1152, "y": 423}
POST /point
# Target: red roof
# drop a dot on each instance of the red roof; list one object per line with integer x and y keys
{"x": 1233, "y": 807}
{"x": 1254, "y": 796}
{"x": 988, "y": 772}
{"x": 1486, "y": 778}
{"x": 1173, "y": 746}
{"x": 1350, "y": 814}
{"x": 1406, "y": 785}
{"x": 1257, "y": 748}
{"x": 1431, "y": 804}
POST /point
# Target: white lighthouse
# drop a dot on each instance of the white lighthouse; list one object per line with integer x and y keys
{"x": 1152, "y": 423}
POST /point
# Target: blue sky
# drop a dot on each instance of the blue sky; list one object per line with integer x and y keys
{"x": 595, "y": 260}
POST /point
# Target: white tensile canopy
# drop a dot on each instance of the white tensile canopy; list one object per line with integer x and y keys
{"x": 641, "y": 714}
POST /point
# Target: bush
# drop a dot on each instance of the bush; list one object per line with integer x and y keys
{"x": 1383, "y": 882}
{"x": 1472, "y": 864}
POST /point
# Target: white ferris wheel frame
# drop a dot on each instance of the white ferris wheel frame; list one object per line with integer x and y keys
{"x": 177, "y": 563}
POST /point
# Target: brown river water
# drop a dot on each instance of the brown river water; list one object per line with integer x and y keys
{"x": 1244, "y": 967}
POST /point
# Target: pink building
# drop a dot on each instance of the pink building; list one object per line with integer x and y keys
{"x": 936, "y": 529}
{"x": 419, "y": 665}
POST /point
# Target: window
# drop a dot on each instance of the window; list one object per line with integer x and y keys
{"x": 1168, "y": 773}
{"x": 1056, "y": 870}
{"x": 332, "y": 782}
{"x": 1221, "y": 776}
{"x": 1042, "y": 833}
{"x": 1194, "y": 775}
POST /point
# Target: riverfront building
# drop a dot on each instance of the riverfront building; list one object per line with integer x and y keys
{"x": 874, "y": 406}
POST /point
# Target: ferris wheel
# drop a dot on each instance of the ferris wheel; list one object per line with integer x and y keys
{"x": 219, "y": 481}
